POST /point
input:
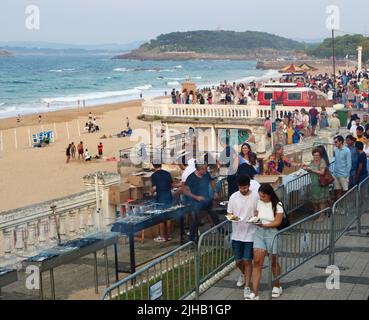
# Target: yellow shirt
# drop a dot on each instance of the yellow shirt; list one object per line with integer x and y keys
{"x": 290, "y": 133}
{"x": 360, "y": 139}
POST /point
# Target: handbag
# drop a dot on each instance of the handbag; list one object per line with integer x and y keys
{"x": 326, "y": 179}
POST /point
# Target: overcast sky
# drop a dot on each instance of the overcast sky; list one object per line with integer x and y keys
{"x": 123, "y": 21}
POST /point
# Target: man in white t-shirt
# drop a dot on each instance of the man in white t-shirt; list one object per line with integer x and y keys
{"x": 243, "y": 204}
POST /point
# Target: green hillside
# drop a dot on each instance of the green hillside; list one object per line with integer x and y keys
{"x": 220, "y": 42}
{"x": 344, "y": 45}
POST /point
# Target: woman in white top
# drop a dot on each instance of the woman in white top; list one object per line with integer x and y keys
{"x": 366, "y": 148}
{"x": 270, "y": 212}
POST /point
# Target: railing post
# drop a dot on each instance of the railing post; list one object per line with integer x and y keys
{"x": 331, "y": 238}
{"x": 358, "y": 208}
{"x": 197, "y": 270}
{"x": 270, "y": 275}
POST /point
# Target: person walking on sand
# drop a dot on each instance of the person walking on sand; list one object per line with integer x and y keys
{"x": 73, "y": 150}
{"x": 80, "y": 150}
{"x": 67, "y": 152}
{"x": 19, "y": 118}
{"x": 127, "y": 120}
{"x": 39, "y": 118}
{"x": 100, "y": 150}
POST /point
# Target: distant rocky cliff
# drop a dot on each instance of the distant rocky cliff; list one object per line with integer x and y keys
{"x": 4, "y": 53}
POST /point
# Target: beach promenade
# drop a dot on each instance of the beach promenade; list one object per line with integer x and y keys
{"x": 308, "y": 282}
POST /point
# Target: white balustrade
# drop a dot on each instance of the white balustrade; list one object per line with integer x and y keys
{"x": 252, "y": 110}
{"x": 90, "y": 220}
{"x": 81, "y": 215}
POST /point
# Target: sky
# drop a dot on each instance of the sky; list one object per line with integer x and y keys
{"x": 124, "y": 21}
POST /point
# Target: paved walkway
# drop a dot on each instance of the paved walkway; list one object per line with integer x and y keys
{"x": 308, "y": 282}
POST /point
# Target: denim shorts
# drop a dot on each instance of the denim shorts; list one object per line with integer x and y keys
{"x": 242, "y": 250}
{"x": 263, "y": 240}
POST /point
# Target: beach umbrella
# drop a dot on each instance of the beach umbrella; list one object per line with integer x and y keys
{"x": 291, "y": 69}
{"x": 307, "y": 67}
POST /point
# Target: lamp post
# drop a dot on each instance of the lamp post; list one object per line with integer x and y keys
{"x": 334, "y": 62}
{"x": 273, "y": 117}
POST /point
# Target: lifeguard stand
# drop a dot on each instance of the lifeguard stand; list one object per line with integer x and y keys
{"x": 189, "y": 86}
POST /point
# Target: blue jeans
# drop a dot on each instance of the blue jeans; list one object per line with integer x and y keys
{"x": 197, "y": 206}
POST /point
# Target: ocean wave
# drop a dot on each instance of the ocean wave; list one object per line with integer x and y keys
{"x": 95, "y": 95}
{"x": 266, "y": 76}
{"x": 173, "y": 83}
{"x": 121, "y": 70}
{"x": 61, "y": 70}
{"x": 2, "y": 103}
{"x": 8, "y": 109}
{"x": 179, "y": 67}
{"x": 145, "y": 87}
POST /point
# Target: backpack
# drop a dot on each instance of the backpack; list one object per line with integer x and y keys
{"x": 285, "y": 221}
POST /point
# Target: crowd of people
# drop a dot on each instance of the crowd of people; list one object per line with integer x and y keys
{"x": 83, "y": 153}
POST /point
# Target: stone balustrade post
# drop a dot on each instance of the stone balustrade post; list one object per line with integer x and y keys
{"x": 42, "y": 231}
{"x": 62, "y": 230}
{"x": 31, "y": 244}
{"x": 19, "y": 242}
{"x": 72, "y": 223}
{"x": 8, "y": 243}
{"x": 81, "y": 215}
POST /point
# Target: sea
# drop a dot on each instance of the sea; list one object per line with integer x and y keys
{"x": 41, "y": 83}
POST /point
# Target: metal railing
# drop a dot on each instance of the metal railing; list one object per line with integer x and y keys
{"x": 174, "y": 273}
{"x": 214, "y": 251}
{"x": 307, "y": 238}
{"x": 299, "y": 243}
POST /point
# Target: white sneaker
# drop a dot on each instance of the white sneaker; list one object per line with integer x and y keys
{"x": 241, "y": 281}
{"x": 159, "y": 239}
{"x": 252, "y": 297}
{"x": 276, "y": 292}
{"x": 246, "y": 293}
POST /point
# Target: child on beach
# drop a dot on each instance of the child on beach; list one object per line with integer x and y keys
{"x": 87, "y": 156}
{"x": 73, "y": 150}
{"x": 67, "y": 153}
{"x": 100, "y": 150}
{"x": 80, "y": 150}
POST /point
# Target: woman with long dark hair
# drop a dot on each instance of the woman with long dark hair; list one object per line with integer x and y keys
{"x": 247, "y": 156}
{"x": 319, "y": 195}
{"x": 270, "y": 213}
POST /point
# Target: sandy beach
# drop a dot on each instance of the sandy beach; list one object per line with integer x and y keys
{"x": 31, "y": 175}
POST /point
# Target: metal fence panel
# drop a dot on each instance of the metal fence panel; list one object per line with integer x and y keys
{"x": 344, "y": 213}
{"x": 214, "y": 250}
{"x": 175, "y": 270}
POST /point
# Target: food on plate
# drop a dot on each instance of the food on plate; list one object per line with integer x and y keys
{"x": 254, "y": 220}
{"x": 233, "y": 217}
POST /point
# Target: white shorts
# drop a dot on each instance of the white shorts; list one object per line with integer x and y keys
{"x": 341, "y": 183}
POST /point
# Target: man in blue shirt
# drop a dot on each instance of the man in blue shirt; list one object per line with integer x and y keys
{"x": 196, "y": 188}
{"x": 342, "y": 167}
{"x": 162, "y": 181}
{"x": 361, "y": 171}
{"x": 350, "y": 143}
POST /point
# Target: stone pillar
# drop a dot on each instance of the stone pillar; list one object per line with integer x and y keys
{"x": 31, "y": 230}
{"x": 8, "y": 234}
{"x": 42, "y": 236}
{"x": 62, "y": 231}
{"x": 105, "y": 213}
{"x": 19, "y": 243}
{"x": 72, "y": 223}
{"x": 52, "y": 230}
{"x": 82, "y": 219}
{"x": 359, "y": 58}
{"x": 90, "y": 218}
